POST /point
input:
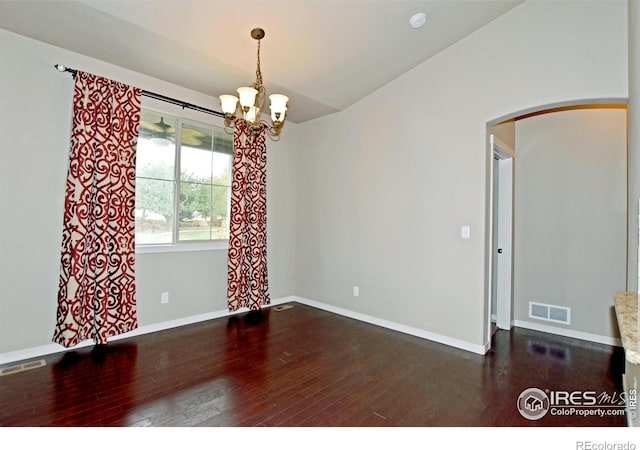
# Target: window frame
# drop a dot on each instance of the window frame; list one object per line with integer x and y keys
{"x": 178, "y": 245}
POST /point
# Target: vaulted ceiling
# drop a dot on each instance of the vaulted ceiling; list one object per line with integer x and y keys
{"x": 325, "y": 55}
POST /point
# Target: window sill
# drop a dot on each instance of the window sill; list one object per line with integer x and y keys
{"x": 183, "y": 247}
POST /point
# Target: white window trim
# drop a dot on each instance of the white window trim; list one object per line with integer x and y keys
{"x": 220, "y": 244}
{"x": 178, "y": 246}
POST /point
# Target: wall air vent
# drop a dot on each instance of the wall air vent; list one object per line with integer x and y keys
{"x": 551, "y": 313}
{"x": 282, "y": 307}
{"x": 22, "y": 367}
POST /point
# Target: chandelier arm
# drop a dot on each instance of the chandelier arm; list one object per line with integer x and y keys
{"x": 271, "y": 129}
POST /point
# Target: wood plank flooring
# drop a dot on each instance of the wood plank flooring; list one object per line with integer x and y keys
{"x": 303, "y": 367}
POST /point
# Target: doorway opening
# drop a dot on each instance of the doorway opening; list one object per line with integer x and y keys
{"x": 514, "y": 257}
{"x": 501, "y": 234}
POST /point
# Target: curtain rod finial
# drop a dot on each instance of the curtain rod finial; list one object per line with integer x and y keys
{"x": 60, "y": 67}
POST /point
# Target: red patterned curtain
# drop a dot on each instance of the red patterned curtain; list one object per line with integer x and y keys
{"x": 247, "y": 284}
{"x": 96, "y": 296}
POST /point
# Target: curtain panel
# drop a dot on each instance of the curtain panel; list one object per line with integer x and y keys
{"x": 247, "y": 283}
{"x": 96, "y": 295}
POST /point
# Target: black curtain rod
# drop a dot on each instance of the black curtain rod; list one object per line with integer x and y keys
{"x": 153, "y": 95}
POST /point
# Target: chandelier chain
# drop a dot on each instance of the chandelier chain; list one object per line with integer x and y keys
{"x": 258, "y": 69}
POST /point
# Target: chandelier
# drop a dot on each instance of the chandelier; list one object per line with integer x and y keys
{"x": 251, "y": 99}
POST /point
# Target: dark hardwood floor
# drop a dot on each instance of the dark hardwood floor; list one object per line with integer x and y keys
{"x": 305, "y": 367}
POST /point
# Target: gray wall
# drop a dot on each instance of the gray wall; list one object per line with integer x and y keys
{"x": 506, "y": 132}
{"x": 570, "y": 215}
{"x": 390, "y": 181}
{"x": 35, "y": 123}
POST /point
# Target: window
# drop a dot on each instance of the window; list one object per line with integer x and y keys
{"x": 183, "y": 181}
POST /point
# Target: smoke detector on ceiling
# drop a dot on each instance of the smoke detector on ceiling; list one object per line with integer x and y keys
{"x": 418, "y": 20}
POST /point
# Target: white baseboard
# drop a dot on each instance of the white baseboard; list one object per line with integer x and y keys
{"x": 464, "y": 345}
{"x": 607, "y": 340}
{"x": 49, "y": 349}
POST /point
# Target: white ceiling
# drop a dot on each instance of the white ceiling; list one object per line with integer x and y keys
{"x": 325, "y": 55}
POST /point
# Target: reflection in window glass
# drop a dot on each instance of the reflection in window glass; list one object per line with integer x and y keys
{"x": 201, "y": 179}
{"x": 154, "y": 211}
{"x": 205, "y": 164}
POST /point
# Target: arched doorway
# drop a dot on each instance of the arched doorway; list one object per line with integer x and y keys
{"x": 536, "y": 275}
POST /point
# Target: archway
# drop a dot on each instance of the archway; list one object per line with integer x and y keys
{"x": 504, "y": 129}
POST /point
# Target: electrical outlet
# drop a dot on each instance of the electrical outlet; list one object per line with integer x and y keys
{"x": 164, "y": 297}
{"x": 356, "y": 291}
